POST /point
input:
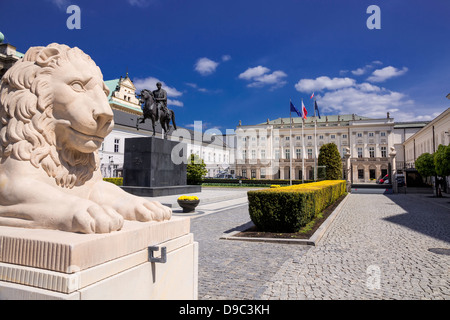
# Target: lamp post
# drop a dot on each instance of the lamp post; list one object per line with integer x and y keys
{"x": 111, "y": 164}
{"x": 347, "y": 168}
{"x": 393, "y": 154}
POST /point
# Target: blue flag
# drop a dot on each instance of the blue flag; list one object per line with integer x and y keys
{"x": 294, "y": 109}
{"x": 316, "y": 108}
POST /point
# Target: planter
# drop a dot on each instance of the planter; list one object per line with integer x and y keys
{"x": 188, "y": 205}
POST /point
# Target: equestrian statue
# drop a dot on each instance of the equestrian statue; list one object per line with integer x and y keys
{"x": 155, "y": 108}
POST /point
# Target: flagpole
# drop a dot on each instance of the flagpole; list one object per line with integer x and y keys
{"x": 315, "y": 142}
{"x": 303, "y": 149}
{"x": 290, "y": 147}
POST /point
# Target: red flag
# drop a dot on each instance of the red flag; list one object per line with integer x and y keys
{"x": 312, "y": 95}
{"x": 304, "y": 112}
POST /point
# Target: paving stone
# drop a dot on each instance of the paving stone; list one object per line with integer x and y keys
{"x": 388, "y": 234}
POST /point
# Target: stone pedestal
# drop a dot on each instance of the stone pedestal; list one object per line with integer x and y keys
{"x": 51, "y": 264}
{"x": 150, "y": 171}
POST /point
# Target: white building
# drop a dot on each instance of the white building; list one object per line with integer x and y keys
{"x": 8, "y": 55}
{"x": 428, "y": 138}
{"x": 212, "y": 147}
{"x": 269, "y": 150}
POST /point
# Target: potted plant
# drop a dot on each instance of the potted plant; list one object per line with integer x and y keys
{"x": 188, "y": 203}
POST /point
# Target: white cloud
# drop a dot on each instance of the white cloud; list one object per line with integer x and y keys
{"x": 251, "y": 73}
{"x": 383, "y": 74}
{"x": 366, "y": 68}
{"x": 139, "y": 3}
{"x": 226, "y": 57}
{"x": 150, "y": 84}
{"x": 367, "y": 87}
{"x": 367, "y": 100}
{"x": 177, "y": 103}
{"x": 195, "y": 86}
{"x": 260, "y": 76}
{"x": 61, "y": 4}
{"x": 205, "y": 66}
{"x": 324, "y": 82}
{"x": 359, "y": 71}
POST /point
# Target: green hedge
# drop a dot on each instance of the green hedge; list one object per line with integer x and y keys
{"x": 116, "y": 181}
{"x": 288, "y": 209}
{"x": 253, "y": 181}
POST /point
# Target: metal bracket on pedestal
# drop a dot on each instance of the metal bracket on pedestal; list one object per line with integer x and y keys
{"x": 162, "y": 259}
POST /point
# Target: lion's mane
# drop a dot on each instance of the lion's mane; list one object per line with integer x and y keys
{"x": 26, "y": 117}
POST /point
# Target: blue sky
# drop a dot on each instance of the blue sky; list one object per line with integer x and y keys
{"x": 225, "y": 61}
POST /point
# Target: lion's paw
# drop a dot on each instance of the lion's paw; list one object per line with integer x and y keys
{"x": 152, "y": 211}
{"x": 97, "y": 219}
{"x": 143, "y": 210}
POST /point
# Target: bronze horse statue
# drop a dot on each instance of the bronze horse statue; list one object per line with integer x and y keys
{"x": 164, "y": 118}
{"x": 149, "y": 109}
{"x": 155, "y": 111}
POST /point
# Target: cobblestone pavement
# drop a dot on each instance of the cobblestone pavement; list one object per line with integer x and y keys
{"x": 378, "y": 247}
{"x": 235, "y": 269}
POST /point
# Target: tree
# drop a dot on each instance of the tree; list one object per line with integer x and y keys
{"x": 425, "y": 165}
{"x": 442, "y": 161}
{"x": 196, "y": 169}
{"x": 330, "y": 158}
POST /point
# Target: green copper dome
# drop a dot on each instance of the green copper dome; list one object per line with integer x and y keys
{"x": 2, "y": 37}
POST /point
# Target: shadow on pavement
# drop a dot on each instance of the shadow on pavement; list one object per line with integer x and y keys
{"x": 423, "y": 213}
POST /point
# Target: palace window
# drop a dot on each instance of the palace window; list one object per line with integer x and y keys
{"x": 371, "y": 152}
{"x": 309, "y": 137}
{"x": 262, "y": 173}
{"x": 263, "y": 154}
{"x": 383, "y": 152}
{"x": 277, "y": 154}
{"x": 309, "y": 153}
{"x": 333, "y": 136}
{"x": 359, "y": 134}
{"x": 370, "y": 134}
{"x": 287, "y": 138}
{"x": 116, "y": 145}
{"x": 253, "y": 173}
{"x": 298, "y": 153}
{"x": 360, "y": 152}
{"x": 253, "y": 154}
{"x": 287, "y": 154}
{"x": 298, "y": 138}
{"x": 344, "y": 136}
{"x": 321, "y": 137}
{"x": 244, "y": 154}
{"x": 383, "y": 134}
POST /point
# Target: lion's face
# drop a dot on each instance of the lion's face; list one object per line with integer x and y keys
{"x": 80, "y": 106}
{"x": 54, "y": 113}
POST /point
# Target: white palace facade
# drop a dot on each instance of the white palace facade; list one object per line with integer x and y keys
{"x": 269, "y": 150}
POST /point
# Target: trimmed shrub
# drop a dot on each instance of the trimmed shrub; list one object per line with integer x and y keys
{"x": 330, "y": 158}
{"x": 116, "y": 181}
{"x": 195, "y": 170}
{"x": 288, "y": 209}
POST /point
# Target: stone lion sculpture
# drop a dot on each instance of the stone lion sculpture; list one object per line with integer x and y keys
{"x": 54, "y": 115}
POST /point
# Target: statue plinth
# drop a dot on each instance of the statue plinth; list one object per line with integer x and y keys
{"x": 150, "y": 171}
{"x": 52, "y": 264}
